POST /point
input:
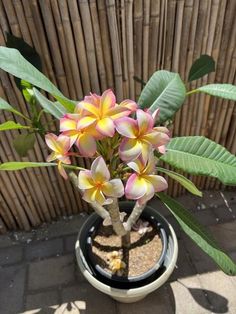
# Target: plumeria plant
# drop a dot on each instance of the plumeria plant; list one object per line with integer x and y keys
{"x": 125, "y": 142}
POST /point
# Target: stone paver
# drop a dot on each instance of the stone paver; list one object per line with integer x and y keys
{"x": 88, "y": 298}
{"x": 12, "y": 286}
{"x": 43, "y": 249}
{"x": 42, "y": 300}
{"x": 160, "y": 301}
{"x": 189, "y": 296}
{"x": 11, "y": 255}
{"x": 38, "y": 271}
{"x": 51, "y": 272}
{"x": 225, "y": 234}
{"x": 220, "y": 290}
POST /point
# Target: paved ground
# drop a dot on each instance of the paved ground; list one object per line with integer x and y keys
{"x": 38, "y": 272}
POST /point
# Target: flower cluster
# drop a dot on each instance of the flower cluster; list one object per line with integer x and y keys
{"x": 121, "y": 138}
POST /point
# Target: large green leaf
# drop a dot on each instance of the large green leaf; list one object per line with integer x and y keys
{"x": 189, "y": 185}
{"x": 18, "y": 165}
{"x": 23, "y": 143}
{"x": 55, "y": 109}
{"x": 201, "y": 156}
{"x": 5, "y": 106}
{"x": 227, "y": 91}
{"x": 202, "y": 66}
{"x": 198, "y": 234}
{"x": 11, "y": 125}
{"x": 164, "y": 90}
{"x": 28, "y": 52}
{"x": 14, "y": 63}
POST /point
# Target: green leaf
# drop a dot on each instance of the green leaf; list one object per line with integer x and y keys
{"x": 227, "y": 91}
{"x": 198, "y": 234}
{"x": 19, "y": 165}
{"x": 23, "y": 143}
{"x": 164, "y": 90}
{"x": 54, "y": 108}
{"x": 28, "y": 52}
{"x": 14, "y": 63}
{"x": 5, "y": 106}
{"x": 202, "y": 66}
{"x": 189, "y": 185}
{"x": 11, "y": 125}
{"x": 201, "y": 156}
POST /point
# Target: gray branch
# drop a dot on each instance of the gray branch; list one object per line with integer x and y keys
{"x": 134, "y": 216}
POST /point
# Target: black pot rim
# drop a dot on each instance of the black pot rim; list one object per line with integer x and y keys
{"x": 127, "y": 206}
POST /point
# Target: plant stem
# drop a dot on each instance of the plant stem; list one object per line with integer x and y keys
{"x": 134, "y": 216}
{"x": 114, "y": 212}
{"x": 126, "y": 240}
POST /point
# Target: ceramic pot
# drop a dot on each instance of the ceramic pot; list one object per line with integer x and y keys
{"x": 129, "y": 290}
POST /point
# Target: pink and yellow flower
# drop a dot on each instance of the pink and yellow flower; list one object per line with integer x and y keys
{"x": 96, "y": 183}
{"x": 84, "y": 138}
{"x": 100, "y": 112}
{"x": 142, "y": 184}
{"x": 60, "y": 145}
{"x": 140, "y": 136}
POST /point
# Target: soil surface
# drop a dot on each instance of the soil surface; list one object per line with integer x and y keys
{"x": 144, "y": 252}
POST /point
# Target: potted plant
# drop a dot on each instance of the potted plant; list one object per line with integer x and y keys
{"x": 126, "y": 143}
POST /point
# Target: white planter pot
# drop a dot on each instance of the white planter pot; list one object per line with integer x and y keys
{"x": 132, "y": 294}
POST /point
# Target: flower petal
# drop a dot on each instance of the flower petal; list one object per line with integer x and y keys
{"x": 64, "y": 142}
{"x": 67, "y": 124}
{"x": 129, "y": 104}
{"x": 135, "y": 187}
{"x": 99, "y": 170}
{"x": 62, "y": 170}
{"x": 145, "y": 121}
{"x": 85, "y": 122}
{"x": 159, "y": 183}
{"x": 108, "y": 101}
{"x": 137, "y": 165}
{"x": 106, "y": 127}
{"x": 89, "y": 108}
{"x": 85, "y": 180}
{"x": 118, "y": 112}
{"x": 113, "y": 188}
{"x": 86, "y": 145}
{"x": 156, "y": 138}
{"x": 94, "y": 195}
{"x": 148, "y": 195}
{"x": 129, "y": 149}
{"x": 127, "y": 127}
{"x": 52, "y": 156}
{"x": 51, "y": 141}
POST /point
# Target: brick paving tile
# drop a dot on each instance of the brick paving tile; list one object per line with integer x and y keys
{"x": 70, "y": 243}
{"x": 156, "y": 203}
{"x": 42, "y": 249}
{"x": 184, "y": 267}
{"x": 42, "y": 300}
{"x": 205, "y": 217}
{"x": 62, "y": 227}
{"x": 189, "y": 296}
{"x": 159, "y": 301}
{"x": 12, "y": 282}
{"x": 84, "y": 297}
{"x": 225, "y": 214}
{"x": 225, "y": 234}
{"x": 6, "y": 241}
{"x": 51, "y": 272}
{"x": 189, "y": 201}
{"x": 220, "y": 290}
{"x": 201, "y": 261}
{"x": 11, "y": 255}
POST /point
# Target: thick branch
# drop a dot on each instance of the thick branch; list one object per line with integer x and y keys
{"x": 114, "y": 212}
{"x": 101, "y": 211}
{"x": 134, "y": 216}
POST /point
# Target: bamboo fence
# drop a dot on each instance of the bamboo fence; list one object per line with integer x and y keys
{"x": 89, "y": 45}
